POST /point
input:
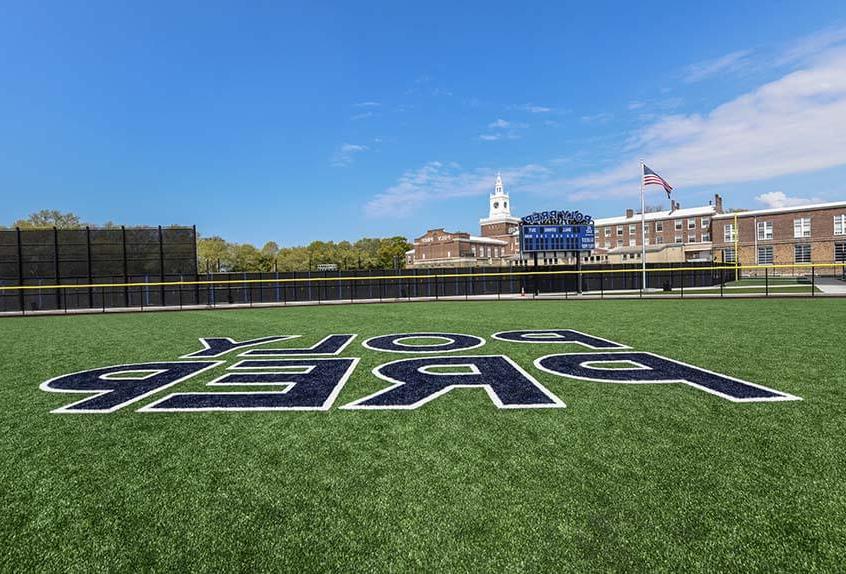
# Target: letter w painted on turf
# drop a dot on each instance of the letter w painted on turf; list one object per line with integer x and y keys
{"x": 651, "y": 368}
{"x": 416, "y": 382}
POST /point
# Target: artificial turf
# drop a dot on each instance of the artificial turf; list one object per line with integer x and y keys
{"x": 626, "y": 478}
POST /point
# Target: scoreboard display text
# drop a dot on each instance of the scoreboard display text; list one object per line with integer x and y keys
{"x": 535, "y": 238}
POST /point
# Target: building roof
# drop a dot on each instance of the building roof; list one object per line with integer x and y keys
{"x": 774, "y": 210}
{"x": 702, "y": 211}
{"x": 490, "y": 240}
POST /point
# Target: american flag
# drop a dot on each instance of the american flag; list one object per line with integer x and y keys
{"x": 652, "y": 178}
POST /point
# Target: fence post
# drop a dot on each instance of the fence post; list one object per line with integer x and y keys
{"x": 161, "y": 267}
{"x": 56, "y": 266}
{"x": 766, "y": 282}
{"x": 90, "y": 275}
{"x": 813, "y": 282}
{"x": 20, "y": 271}
{"x": 682, "y": 284}
{"x": 125, "y": 267}
{"x": 602, "y": 285}
{"x": 196, "y": 269}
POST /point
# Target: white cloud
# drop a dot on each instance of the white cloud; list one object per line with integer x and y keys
{"x": 499, "y": 123}
{"x": 361, "y": 116}
{"x": 345, "y": 154}
{"x": 781, "y": 199}
{"x": 534, "y": 109}
{"x": 729, "y": 63}
{"x": 600, "y": 118}
{"x": 367, "y": 104}
{"x": 792, "y": 125}
{"x": 813, "y": 44}
{"x": 437, "y": 181}
{"x": 490, "y": 137}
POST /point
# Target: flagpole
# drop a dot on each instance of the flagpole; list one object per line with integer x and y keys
{"x": 642, "y": 231}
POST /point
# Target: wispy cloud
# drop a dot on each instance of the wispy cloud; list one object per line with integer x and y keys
{"x": 781, "y": 199}
{"x": 367, "y": 104}
{"x": 361, "y": 116}
{"x": 504, "y": 130}
{"x": 792, "y": 125}
{"x": 437, "y": 181}
{"x": 533, "y": 108}
{"x": 730, "y": 63}
{"x": 813, "y": 44}
{"x": 600, "y": 118}
{"x": 345, "y": 154}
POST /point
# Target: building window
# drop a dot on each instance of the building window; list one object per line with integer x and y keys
{"x": 728, "y": 233}
{"x": 802, "y": 253}
{"x": 646, "y": 241}
{"x": 729, "y": 255}
{"x": 632, "y": 242}
{"x": 765, "y": 255}
{"x": 678, "y": 239}
{"x": 705, "y": 221}
{"x": 607, "y": 232}
{"x": 706, "y": 237}
{"x": 619, "y": 230}
{"x": 678, "y": 224}
{"x": 840, "y": 224}
{"x": 691, "y": 238}
{"x": 659, "y": 239}
{"x": 607, "y": 245}
{"x": 632, "y": 229}
{"x": 659, "y": 226}
{"x": 691, "y": 223}
{"x": 765, "y": 230}
{"x": 619, "y": 243}
{"x": 840, "y": 252}
{"x": 802, "y": 227}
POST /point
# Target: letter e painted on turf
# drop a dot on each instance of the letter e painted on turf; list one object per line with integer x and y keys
{"x": 111, "y": 392}
{"x": 416, "y": 383}
{"x": 218, "y": 346}
{"x": 651, "y": 368}
{"x": 558, "y": 336}
{"x": 310, "y": 385}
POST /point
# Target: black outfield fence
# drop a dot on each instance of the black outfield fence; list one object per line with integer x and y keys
{"x": 218, "y": 289}
{"x": 193, "y": 290}
{"x": 90, "y": 256}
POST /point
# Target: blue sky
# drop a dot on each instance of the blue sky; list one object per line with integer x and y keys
{"x": 296, "y": 121}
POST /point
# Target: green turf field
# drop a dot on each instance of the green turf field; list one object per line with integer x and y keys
{"x": 625, "y": 478}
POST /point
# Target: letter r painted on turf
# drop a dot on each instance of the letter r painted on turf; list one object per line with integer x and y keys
{"x": 651, "y": 368}
{"x": 415, "y": 383}
{"x": 112, "y": 393}
{"x": 558, "y": 336}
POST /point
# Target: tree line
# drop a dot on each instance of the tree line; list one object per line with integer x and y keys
{"x": 215, "y": 254}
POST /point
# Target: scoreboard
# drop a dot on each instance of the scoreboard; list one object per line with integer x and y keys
{"x": 535, "y": 238}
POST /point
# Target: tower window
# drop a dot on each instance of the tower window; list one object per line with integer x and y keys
{"x": 496, "y": 204}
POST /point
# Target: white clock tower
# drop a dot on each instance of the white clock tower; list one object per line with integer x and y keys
{"x": 499, "y": 201}
{"x": 500, "y": 224}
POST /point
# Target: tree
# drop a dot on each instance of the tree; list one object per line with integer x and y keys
{"x": 392, "y": 252}
{"x": 50, "y": 218}
{"x": 212, "y": 253}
